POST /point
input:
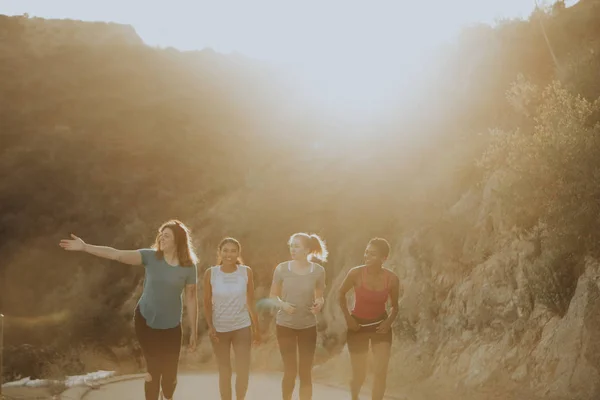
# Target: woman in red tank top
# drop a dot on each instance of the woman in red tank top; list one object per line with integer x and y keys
{"x": 370, "y": 321}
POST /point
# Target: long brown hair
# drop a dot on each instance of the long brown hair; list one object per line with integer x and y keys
{"x": 226, "y": 240}
{"x": 183, "y": 243}
{"x": 314, "y": 243}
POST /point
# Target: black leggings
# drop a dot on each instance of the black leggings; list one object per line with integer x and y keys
{"x": 358, "y": 346}
{"x": 304, "y": 342}
{"x": 161, "y": 351}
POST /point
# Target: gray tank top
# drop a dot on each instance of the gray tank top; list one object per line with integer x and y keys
{"x": 298, "y": 290}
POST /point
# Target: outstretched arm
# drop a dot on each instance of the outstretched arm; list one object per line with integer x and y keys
{"x": 131, "y": 257}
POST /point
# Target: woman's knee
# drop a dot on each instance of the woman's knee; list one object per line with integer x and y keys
{"x": 359, "y": 369}
{"x": 290, "y": 370}
{"x": 225, "y": 369}
{"x": 305, "y": 374}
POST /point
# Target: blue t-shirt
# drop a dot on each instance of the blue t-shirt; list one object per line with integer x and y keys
{"x": 161, "y": 303}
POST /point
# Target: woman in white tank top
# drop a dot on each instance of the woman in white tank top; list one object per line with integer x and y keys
{"x": 231, "y": 316}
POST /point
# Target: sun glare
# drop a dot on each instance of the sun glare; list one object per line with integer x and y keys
{"x": 363, "y": 81}
{"x": 346, "y": 56}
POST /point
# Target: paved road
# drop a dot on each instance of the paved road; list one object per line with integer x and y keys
{"x": 205, "y": 386}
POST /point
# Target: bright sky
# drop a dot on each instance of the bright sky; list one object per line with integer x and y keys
{"x": 281, "y": 30}
{"x": 333, "y": 42}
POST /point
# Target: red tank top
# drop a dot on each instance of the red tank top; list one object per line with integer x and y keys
{"x": 370, "y": 304}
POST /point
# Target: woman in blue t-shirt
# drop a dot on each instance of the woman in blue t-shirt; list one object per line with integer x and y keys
{"x": 170, "y": 267}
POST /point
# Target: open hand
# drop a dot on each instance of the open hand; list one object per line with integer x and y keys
{"x": 75, "y": 244}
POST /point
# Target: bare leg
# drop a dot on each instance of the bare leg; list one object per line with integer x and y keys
{"x": 381, "y": 358}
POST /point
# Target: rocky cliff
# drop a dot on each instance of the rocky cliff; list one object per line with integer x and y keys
{"x": 474, "y": 317}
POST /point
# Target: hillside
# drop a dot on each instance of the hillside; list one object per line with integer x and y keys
{"x": 492, "y": 211}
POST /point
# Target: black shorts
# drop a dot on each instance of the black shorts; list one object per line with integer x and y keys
{"x": 359, "y": 341}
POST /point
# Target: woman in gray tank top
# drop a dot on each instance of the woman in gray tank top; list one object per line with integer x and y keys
{"x": 170, "y": 267}
{"x": 231, "y": 316}
{"x": 297, "y": 289}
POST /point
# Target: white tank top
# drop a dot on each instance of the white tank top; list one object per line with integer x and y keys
{"x": 229, "y": 305}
